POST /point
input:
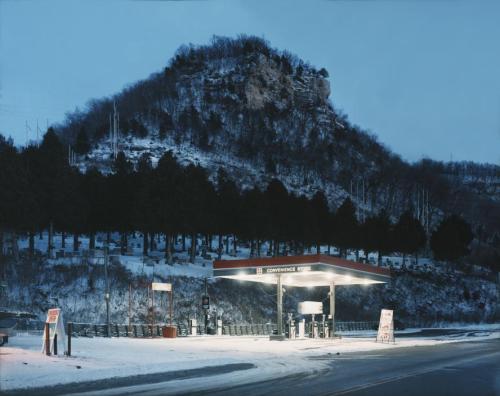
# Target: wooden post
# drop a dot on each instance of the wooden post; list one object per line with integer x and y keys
{"x": 70, "y": 331}
{"x": 148, "y": 318}
{"x": 47, "y": 339}
{"x": 129, "y": 303}
{"x": 170, "y": 305}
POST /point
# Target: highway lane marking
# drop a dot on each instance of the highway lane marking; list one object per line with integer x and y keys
{"x": 334, "y": 357}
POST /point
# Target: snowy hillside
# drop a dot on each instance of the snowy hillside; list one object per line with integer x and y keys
{"x": 422, "y": 295}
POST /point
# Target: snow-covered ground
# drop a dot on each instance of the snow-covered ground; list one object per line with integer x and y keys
{"x": 22, "y": 365}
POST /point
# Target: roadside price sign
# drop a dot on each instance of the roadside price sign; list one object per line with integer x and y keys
{"x": 386, "y": 326}
{"x": 53, "y": 315}
{"x": 56, "y": 327}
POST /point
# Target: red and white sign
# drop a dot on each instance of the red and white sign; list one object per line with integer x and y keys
{"x": 386, "y": 326}
{"x": 56, "y": 326}
{"x": 53, "y": 315}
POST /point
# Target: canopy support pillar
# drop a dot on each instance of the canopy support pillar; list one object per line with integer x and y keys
{"x": 280, "y": 336}
{"x": 332, "y": 308}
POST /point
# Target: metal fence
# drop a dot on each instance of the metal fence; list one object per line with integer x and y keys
{"x": 147, "y": 330}
{"x": 252, "y": 329}
{"x": 355, "y": 326}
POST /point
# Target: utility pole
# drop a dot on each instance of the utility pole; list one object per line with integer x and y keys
{"x": 357, "y": 199}
{"x": 206, "y": 310}
{"x": 363, "y": 199}
{"x": 171, "y": 303}
{"x": 129, "y": 305}
{"x": 106, "y": 295}
{"x": 428, "y": 215}
{"x": 114, "y": 126}
{"x": 418, "y": 203}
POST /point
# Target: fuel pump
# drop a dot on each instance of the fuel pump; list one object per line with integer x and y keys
{"x": 302, "y": 328}
{"x": 291, "y": 327}
{"x": 325, "y": 329}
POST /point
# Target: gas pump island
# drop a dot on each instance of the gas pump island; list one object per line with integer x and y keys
{"x": 301, "y": 271}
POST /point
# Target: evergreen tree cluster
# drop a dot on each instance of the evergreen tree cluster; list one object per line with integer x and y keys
{"x": 39, "y": 191}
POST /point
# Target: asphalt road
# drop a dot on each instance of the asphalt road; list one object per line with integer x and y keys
{"x": 455, "y": 369}
{"x": 468, "y": 368}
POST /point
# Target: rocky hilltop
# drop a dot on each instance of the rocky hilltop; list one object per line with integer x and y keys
{"x": 261, "y": 113}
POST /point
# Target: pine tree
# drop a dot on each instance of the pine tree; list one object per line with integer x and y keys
{"x": 227, "y": 207}
{"x": 121, "y": 198}
{"x": 451, "y": 240}
{"x": 346, "y": 229}
{"x": 276, "y": 197}
{"x": 409, "y": 234}
{"x": 319, "y": 206}
{"x": 143, "y": 215}
{"x": 377, "y": 235}
{"x": 167, "y": 200}
{"x": 53, "y": 169}
{"x": 82, "y": 145}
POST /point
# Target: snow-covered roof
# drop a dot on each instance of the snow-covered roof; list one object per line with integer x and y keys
{"x": 301, "y": 271}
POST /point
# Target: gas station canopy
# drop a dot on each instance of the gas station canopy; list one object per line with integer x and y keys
{"x": 301, "y": 271}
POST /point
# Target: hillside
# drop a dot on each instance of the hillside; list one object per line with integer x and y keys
{"x": 260, "y": 113}
{"x": 427, "y": 294}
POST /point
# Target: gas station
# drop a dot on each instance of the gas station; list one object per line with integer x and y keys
{"x": 302, "y": 271}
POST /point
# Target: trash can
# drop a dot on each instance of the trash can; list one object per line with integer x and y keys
{"x": 211, "y": 331}
{"x": 169, "y": 331}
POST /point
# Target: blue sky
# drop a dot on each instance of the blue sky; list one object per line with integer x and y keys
{"x": 424, "y": 76}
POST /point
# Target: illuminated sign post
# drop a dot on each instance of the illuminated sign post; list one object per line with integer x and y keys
{"x": 310, "y": 307}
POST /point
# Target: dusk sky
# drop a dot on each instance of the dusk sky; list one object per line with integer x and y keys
{"x": 424, "y": 76}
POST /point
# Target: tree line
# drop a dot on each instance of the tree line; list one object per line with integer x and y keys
{"x": 40, "y": 191}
